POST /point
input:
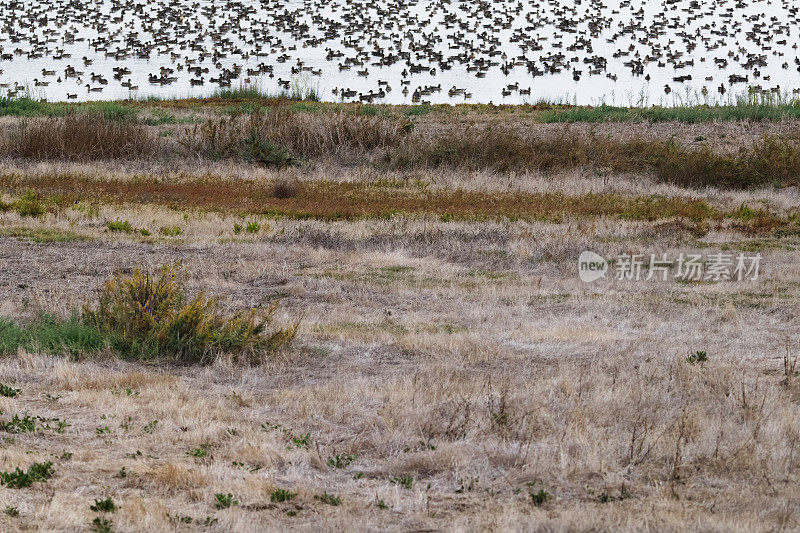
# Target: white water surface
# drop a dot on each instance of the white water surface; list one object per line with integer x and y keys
{"x": 757, "y": 38}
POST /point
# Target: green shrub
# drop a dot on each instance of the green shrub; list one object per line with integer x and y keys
{"x": 120, "y": 226}
{"x": 253, "y": 227}
{"x": 263, "y": 152}
{"x": 151, "y": 316}
{"x": 30, "y": 205}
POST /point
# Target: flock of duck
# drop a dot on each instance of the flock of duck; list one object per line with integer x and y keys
{"x": 398, "y": 51}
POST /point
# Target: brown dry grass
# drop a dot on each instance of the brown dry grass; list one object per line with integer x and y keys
{"x": 475, "y": 381}
{"x": 327, "y": 200}
{"x": 305, "y": 134}
{"x": 283, "y": 138}
{"x": 82, "y": 137}
{"x": 504, "y": 149}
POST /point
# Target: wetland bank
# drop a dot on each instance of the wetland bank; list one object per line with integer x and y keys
{"x": 442, "y": 365}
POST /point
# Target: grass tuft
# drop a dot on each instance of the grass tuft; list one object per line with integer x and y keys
{"x": 81, "y": 137}
{"x": 281, "y": 495}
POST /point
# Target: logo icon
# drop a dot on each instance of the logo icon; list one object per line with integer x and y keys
{"x": 591, "y": 266}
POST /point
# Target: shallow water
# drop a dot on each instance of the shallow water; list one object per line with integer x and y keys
{"x": 556, "y": 38}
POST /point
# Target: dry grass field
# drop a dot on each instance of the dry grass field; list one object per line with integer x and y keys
{"x": 450, "y": 370}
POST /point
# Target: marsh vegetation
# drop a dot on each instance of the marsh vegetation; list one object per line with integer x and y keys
{"x": 347, "y": 316}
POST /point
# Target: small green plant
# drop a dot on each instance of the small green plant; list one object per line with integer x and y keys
{"x": 302, "y": 441}
{"x": 101, "y": 525}
{"x": 382, "y": 504}
{"x": 144, "y": 232}
{"x": 281, "y": 495}
{"x": 151, "y": 427}
{"x": 225, "y": 501}
{"x": 122, "y": 226}
{"x": 237, "y": 228}
{"x": 123, "y": 473}
{"x": 404, "y": 481}
{"x": 171, "y": 231}
{"x": 102, "y": 430}
{"x": 199, "y": 452}
{"x": 330, "y": 499}
{"x": 25, "y": 424}
{"x": 13, "y": 512}
{"x": 37, "y": 472}
{"x": 253, "y": 227}
{"x": 340, "y": 461}
{"x": 104, "y": 506}
{"x": 540, "y": 497}
{"x": 697, "y": 357}
{"x": 7, "y": 391}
